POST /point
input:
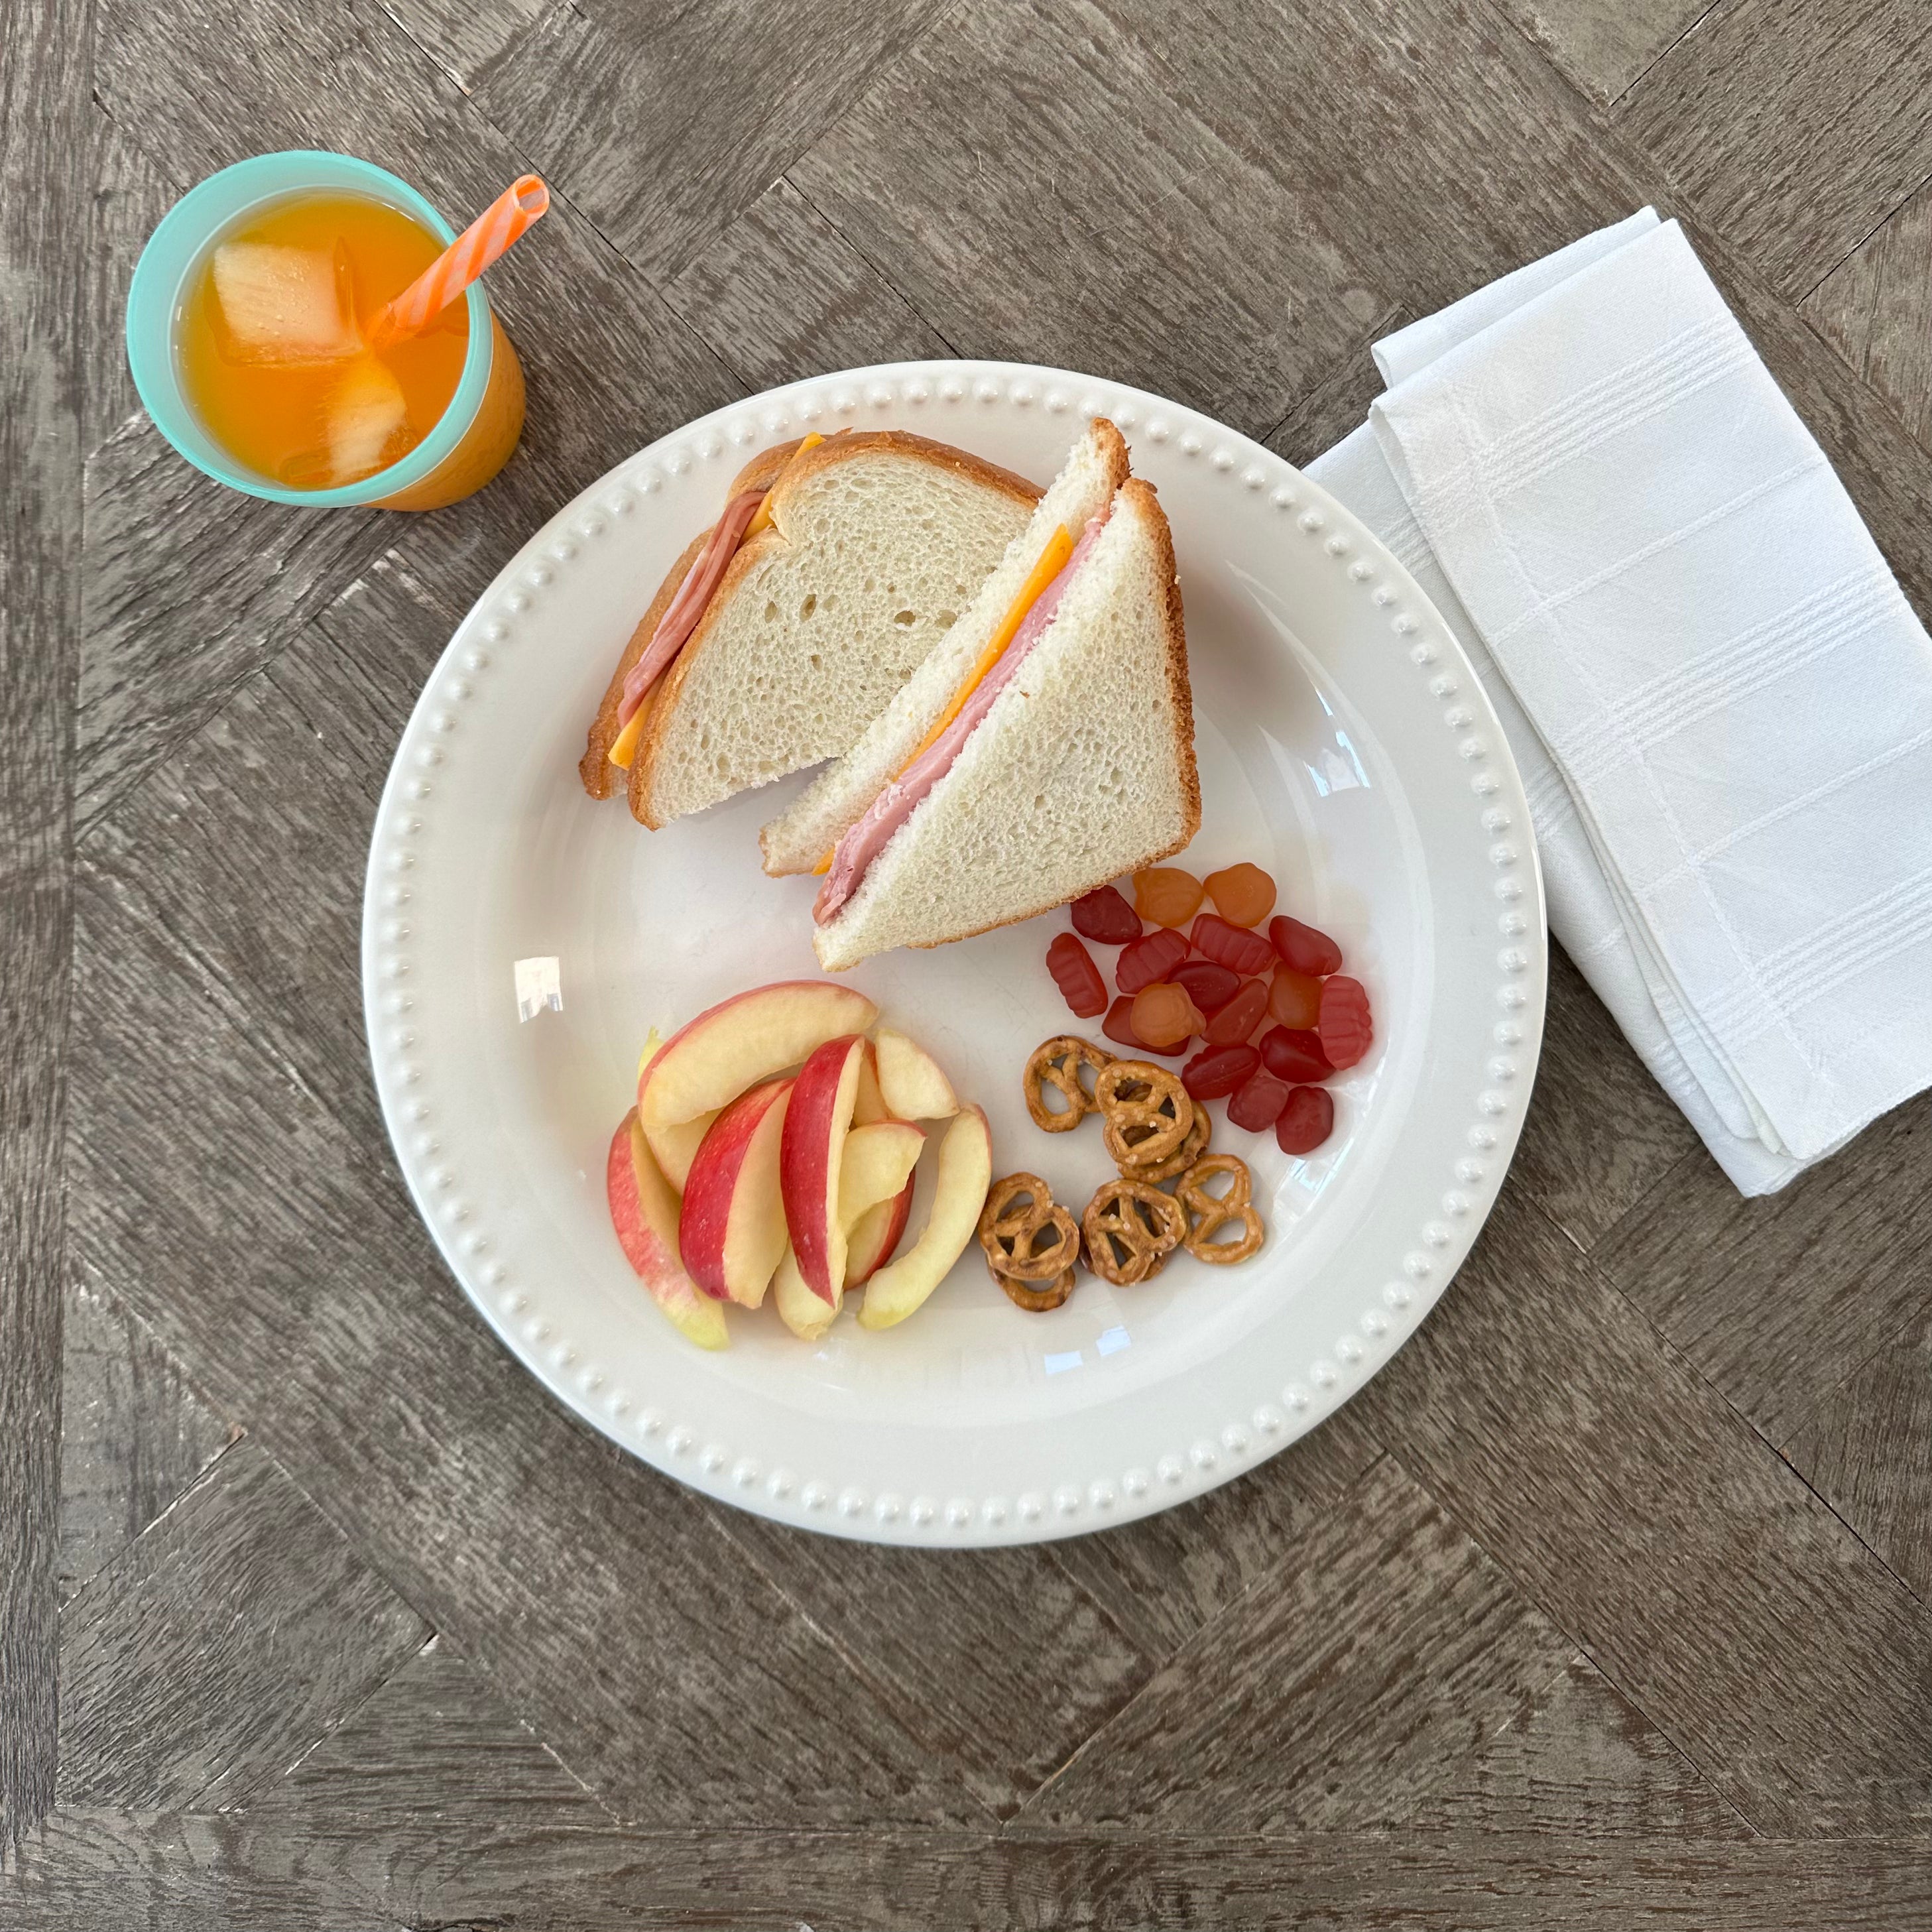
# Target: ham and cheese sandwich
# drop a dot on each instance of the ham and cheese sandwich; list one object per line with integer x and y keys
{"x": 1062, "y": 756}
{"x": 837, "y": 564}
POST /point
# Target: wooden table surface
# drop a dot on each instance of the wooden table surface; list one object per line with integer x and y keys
{"x": 1606, "y": 1601}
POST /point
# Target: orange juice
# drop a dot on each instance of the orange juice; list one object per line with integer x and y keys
{"x": 272, "y": 350}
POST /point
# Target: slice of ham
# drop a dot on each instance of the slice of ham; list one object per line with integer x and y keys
{"x": 681, "y": 616}
{"x": 896, "y": 803}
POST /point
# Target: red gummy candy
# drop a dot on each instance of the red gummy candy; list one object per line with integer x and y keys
{"x": 1119, "y": 1026}
{"x": 1105, "y": 917}
{"x": 1294, "y": 1056}
{"x": 1149, "y": 959}
{"x": 1257, "y": 1103}
{"x": 1210, "y": 987}
{"x": 1215, "y": 1073}
{"x": 1233, "y": 946}
{"x": 1306, "y": 1121}
{"x": 1302, "y": 949}
{"x": 1074, "y": 972}
{"x": 1240, "y": 1017}
{"x": 1344, "y": 1026}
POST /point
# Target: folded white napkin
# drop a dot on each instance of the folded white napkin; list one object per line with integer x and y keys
{"x": 1720, "y": 699}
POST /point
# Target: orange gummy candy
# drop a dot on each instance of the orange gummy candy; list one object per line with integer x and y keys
{"x": 1163, "y": 1015}
{"x": 1243, "y": 895}
{"x": 1295, "y": 999}
{"x": 1167, "y": 895}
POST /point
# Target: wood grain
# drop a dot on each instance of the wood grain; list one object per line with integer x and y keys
{"x": 1601, "y": 1135}
{"x": 663, "y": 125}
{"x": 1875, "y": 308}
{"x": 129, "y": 196}
{"x": 468, "y": 39}
{"x": 1794, "y": 127}
{"x": 1777, "y": 1301}
{"x": 1176, "y": 262}
{"x": 219, "y": 1646}
{"x": 1866, "y": 1449}
{"x": 44, "y": 127}
{"x": 1603, "y": 49}
{"x": 1162, "y": 1579}
{"x": 1338, "y": 1691}
{"x": 997, "y": 1661}
{"x": 133, "y": 1434}
{"x": 1643, "y": 1515}
{"x": 782, "y": 294}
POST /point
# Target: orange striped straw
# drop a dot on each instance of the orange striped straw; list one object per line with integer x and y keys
{"x": 459, "y": 265}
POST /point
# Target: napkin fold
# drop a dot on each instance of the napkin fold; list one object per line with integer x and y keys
{"x": 1719, "y": 700}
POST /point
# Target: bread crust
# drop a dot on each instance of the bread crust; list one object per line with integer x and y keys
{"x": 834, "y": 450}
{"x": 595, "y": 768}
{"x": 1146, "y": 503}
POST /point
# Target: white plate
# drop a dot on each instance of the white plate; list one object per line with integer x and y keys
{"x": 1344, "y": 743}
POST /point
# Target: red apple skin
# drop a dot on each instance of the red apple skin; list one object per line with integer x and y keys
{"x": 815, "y": 1125}
{"x": 868, "y": 1253}
{"x": 704, "y": 1222}
{"x": 646, "y": 1230}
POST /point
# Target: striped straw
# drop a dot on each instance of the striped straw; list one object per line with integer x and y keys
{"x": 461, "y": 263}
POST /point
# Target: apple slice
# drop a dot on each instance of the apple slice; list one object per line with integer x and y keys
{"x": 874, "y": 1235}
{"x": 731, "y": 1228}
{"x": 815, "y": 1127}
{"x": 871, "y": 1105}
{"x": 911, "y": 1082}
{"x": 741, "y": 1041}
{"x": 878, "y": 1160}
{"x": 965, "y": 1172}
{"x": 643, "y": 1210}
{"x": 806, "y": 1315}
{"x": 673, "y": 1145}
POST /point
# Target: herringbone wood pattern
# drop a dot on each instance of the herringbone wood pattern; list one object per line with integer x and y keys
{"x": 1606, "y": 1602}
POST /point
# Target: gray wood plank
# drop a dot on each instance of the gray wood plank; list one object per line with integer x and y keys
{"x": 188, "y": 1874}
{"x": 321, "y": 1320}
{"x": 997, "y": 1661}
{"x": 1339, "y": 401}
{"x": 130, "y": 195}
{"x": 219, "y": 1646}
{"x": 1383, "y": 1650}
{"x": 1867, "y": 1450}
{"x": 663, "y": 123}
{"x": 1793, "y": 126}
{"x": 466, "y": 38}
{"x": 1433, "y": 145}
{"x": 1642, "y": 1513}
{"x": 1603, "y": 46}
{"x": 1108, "y": 228}
{"x": 782, "y": 294}
{"x": 1875, "y": 308}
{"x": 89, "y": 1869}
{"x": 133, "y": 1434}
{"x": 1777, "y": 1300}
{"x": 1162, "y": 1579}
{"x": 43, "y": 161}
{"x": 1601, "y": 1135}
{"x": 1578, "y": 1761}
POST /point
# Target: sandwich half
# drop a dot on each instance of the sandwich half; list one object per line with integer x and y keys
{"x": 781, "y": 632}
{"x": 1067, "y": 760}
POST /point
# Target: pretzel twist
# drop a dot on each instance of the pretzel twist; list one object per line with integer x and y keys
{"x": 1208, "y": 1214}
{"x": 1056, "y": 1063}
{"x": 1148, "y": 1113}
{"x": 1131, "y": 1228}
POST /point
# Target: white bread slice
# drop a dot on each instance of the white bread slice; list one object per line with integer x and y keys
{"x": 840, "y": 795}
{"x": 878, "y": 540}
{"x": 1083, "y": 769}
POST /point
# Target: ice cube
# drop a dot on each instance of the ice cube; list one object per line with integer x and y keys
{"x": 368, "y": 425}
{"x": 285, "y": 305}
